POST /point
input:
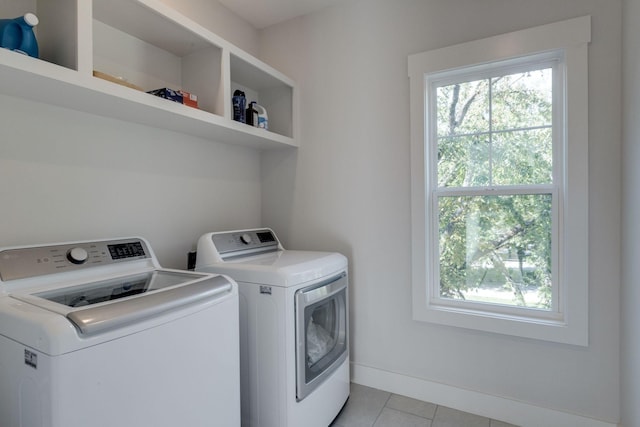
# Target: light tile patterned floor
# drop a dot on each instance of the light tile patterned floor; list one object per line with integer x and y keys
{"x": 369, "y": 407}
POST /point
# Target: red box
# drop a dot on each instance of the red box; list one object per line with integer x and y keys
{"x": 189, "y": 99}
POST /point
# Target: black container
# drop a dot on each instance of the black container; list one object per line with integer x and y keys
{"x": 252, "y": 115}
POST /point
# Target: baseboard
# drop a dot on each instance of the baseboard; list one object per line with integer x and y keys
{"x": 500, "y": 408}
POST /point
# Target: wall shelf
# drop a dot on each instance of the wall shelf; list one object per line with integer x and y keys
{"x": 152, "y": 46}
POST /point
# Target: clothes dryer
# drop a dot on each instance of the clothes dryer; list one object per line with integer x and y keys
{"x": 294, "y": 323}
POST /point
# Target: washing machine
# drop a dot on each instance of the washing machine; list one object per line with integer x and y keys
{"x": 294, "y": 323}
{"x": 96, "y": 333}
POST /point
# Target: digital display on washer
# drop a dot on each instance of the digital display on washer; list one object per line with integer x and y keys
{"x": 126, "y": 250}
{"x": 265, "y": 237}
{"x": 108, "y": 290}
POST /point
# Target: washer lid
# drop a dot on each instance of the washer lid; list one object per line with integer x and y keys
{"x": 109, "y": 304}
{"x": 65, "y": 319}
{"x": 281, "y": 268}
{"x": 114, "y": 289}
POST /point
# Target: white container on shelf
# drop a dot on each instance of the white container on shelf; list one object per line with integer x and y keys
{"x": 263, "y": 118}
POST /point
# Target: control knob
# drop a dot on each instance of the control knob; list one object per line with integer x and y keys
{"x": 77, "y": 255}
{"x": 245, "y": 238}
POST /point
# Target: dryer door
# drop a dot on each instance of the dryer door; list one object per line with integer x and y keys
{"x": 321, "y": 332}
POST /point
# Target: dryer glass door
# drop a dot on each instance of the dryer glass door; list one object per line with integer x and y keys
{"x": 321, "y": 332}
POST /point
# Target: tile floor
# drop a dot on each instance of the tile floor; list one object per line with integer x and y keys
{"x": 369, "y": 407}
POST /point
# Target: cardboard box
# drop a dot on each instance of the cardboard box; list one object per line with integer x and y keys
{"x": 113, "y": 79}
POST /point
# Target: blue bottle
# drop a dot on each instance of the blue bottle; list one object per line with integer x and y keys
{"x": 17, "y": 34}
{"x": 239, "y": 106}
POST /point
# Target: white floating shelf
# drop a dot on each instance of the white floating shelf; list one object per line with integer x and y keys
{"x": 205, "y": 64}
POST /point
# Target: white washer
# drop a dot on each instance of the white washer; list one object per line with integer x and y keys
{"x": 97, "y": 334}
{"x": 294, "y": 357}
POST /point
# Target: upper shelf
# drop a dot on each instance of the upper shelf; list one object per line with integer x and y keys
{"x": 152, "y": 46}
{"x": 158, "y": 25}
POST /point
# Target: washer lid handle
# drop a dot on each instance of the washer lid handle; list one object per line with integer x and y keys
{"x": 94, "y": 320}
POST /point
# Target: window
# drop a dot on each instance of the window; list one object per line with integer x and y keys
{"x": 494, "y": 202}
{"x": 499, "y": 183}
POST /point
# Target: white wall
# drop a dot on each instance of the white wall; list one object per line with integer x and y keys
{"x": 67, "y": 175}
{"x": 631, "y": 207}
{"x": 220, "y": 20}
{"x": 347, "y": 188}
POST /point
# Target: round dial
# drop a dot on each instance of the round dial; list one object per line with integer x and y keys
{"x": 77, "y": 255}
{"x": 245, "y": 238}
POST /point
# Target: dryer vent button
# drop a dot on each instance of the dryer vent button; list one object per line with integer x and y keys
{"x": 245, "y": 238}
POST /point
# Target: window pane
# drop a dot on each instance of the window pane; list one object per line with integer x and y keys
{"x": 496, "y": 249}
{"x": 519, "y": 137}
{"x": 522, "y": 100}
{"x": 522, "y": 157}
{"x": 463, "y": 108}
{"x": 463, "y": 161}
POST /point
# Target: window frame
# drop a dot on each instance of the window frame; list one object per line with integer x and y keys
{"x": 567, "y": 42}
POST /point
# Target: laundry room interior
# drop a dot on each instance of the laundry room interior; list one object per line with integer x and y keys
{"x": 338, "y": 178}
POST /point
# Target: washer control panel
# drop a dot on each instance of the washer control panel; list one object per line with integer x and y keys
{"x": 21, "y": 263}
{"x": 236, "y": 243}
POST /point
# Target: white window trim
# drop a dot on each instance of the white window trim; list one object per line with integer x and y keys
{"x": 571, "y": 324}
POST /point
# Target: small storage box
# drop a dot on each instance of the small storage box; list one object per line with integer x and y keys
{"x": 167, "y": 93}
{"x": 189, "y": 99}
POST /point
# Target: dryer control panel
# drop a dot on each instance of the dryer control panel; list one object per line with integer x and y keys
{"x": 245, "y": 242}
{"x": 21, "y": 263}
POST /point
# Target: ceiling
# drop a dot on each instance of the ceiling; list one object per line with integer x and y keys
{"x": 263, "y": 13}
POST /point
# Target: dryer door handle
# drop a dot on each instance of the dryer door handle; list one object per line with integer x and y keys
{"x": 326, "y": 289}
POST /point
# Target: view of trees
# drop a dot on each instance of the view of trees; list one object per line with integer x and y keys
{"x": 494, "y": 198}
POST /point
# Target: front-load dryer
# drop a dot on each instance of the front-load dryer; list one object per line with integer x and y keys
{"x": 294, "y": 323}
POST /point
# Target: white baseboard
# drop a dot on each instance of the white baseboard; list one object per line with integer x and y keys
{"x": 500, "y": 408}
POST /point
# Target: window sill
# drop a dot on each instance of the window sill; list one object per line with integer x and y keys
{"x": 554, "y": 329}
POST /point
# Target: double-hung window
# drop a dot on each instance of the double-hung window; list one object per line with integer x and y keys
{"x": 499, "y": 183}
